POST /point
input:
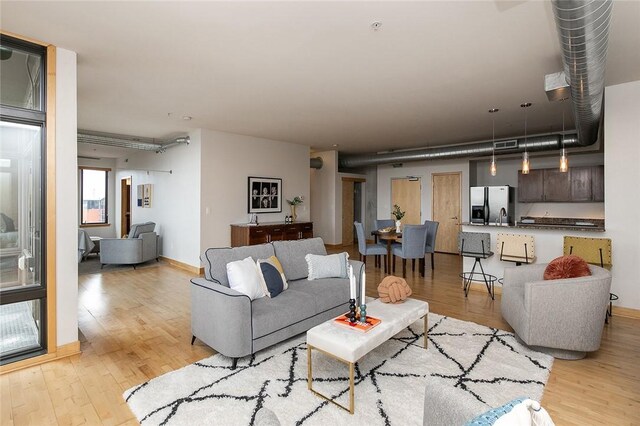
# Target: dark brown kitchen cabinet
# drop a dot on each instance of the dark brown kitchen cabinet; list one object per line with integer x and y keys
{"x": 581, "y": 183}
{"x": 531, "y": 187}
{"x": 557, "y": 185}
{"x": 597, "y": 183}
{"x": 248, "y": 235}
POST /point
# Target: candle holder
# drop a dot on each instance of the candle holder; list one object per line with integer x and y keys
{"x": 352, "y": 311}
{"x": 363, "y": 313}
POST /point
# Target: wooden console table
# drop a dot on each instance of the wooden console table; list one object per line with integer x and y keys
{"x": 247, "y": 235}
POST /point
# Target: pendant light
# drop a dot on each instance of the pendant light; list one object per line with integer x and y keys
{"x": 564, "y": 161}
{"x": 493, "y": 168}
{"x": 525, "y": 155}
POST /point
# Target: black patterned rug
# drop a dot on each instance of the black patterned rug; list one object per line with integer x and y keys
{"x": 487, "y": 363}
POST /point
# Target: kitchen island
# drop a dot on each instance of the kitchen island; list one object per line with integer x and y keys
{"x": 548, "y": 241}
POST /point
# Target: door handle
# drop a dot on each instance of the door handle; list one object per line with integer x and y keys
{"x": 455, "y": 217}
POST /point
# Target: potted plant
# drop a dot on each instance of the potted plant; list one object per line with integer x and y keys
{"x": 398, "y": 214}
{"x": 297, "y": 200}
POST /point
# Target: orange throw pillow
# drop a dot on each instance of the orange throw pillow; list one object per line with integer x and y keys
{"x": 567, "y": 267}
{"x": 393, "y": 290}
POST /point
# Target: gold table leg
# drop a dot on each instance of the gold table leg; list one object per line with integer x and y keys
{"x": 351, "y": 408}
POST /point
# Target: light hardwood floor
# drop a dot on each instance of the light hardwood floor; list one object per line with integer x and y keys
{"x": 135, "y": 325}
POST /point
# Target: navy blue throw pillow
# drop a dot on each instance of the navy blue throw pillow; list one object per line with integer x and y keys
{"x": 272, "y": 278}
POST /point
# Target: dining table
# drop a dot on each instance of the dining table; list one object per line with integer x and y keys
{"x": 390, "y": 238}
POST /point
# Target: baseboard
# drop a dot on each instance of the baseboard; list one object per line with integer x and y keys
{"x": 184, "y": 266}
{"x": 619, "y": 311}
{"x": 63, "y": 351}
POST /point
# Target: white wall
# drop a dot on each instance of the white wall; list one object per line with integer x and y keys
{"x": 102, "y": 231}
{"x": 622, "y": 195}
{"x": 324, "y": 200}
{"x": 66, "y": 198}
{"x": 227, "y": 161}
{"x": 424, "y": 170}
{"x": 508, "y": 175}
{"x": 176, "y": 197}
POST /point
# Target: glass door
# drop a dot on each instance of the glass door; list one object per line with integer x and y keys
{"x": 22, "y": 202}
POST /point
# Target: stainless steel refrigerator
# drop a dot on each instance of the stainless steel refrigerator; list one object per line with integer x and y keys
{"x": 490, "y": 204}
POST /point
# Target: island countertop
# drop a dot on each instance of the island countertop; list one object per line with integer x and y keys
{"x": 552, "y": 223}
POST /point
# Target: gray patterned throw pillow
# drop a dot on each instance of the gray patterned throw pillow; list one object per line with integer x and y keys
{"x": 330, "y": 266}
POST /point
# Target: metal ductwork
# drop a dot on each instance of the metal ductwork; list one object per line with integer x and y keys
{"x": 315, "y": 163}
{"x": 583, "y": 29}
{"x": 480, "y": 149}
{"x": 131, "y": 142}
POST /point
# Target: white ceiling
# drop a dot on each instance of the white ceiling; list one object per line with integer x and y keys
{"x": 315, "y": 73}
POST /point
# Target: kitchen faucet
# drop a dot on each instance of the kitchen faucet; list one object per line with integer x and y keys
{"x": 503, "y": 213}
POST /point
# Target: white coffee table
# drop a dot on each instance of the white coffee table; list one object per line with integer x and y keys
{"x": 349, "y": 346}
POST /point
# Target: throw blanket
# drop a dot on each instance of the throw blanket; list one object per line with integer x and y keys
{"x": 527, "y": 413}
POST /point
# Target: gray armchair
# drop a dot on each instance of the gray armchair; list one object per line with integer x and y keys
{"x": 563, "y": 318}
{"x": 140, "y": 246}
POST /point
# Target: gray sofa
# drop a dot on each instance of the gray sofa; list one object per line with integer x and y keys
{"x": 563, "y": 318}
{"x": 140, "y": 246}
{"x": 235, "y": 326}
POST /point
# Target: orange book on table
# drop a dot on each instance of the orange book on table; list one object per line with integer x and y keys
{"x": 371, "y": 323}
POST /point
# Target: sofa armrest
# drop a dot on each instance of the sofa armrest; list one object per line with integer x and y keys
{"x": 122, "y": 251}
{"x": 519, "y": 275}
{"x": 567, "y": 313}
{"x": 221, "y": 318}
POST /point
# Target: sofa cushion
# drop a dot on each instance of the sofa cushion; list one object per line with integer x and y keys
{"x": 291, "y": 255}
{"x": 244, "y": 277}
{"x": 141, "y": 228}
{"x": 329, "y": 266}
{"x": 566, "y": 267}
{"x": 215, "y": 260}
{"x": 327, "y": 292}
{"x": 269, "y": 315}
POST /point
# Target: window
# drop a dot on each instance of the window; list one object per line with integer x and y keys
{"x": 94, "y": 189}
{"x": 23, "y": 278}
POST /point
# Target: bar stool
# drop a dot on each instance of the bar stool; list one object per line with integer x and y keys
{"x": 478, "y": 246}
{"x": 516, "y": 248}
{"x": 596, "y": 251}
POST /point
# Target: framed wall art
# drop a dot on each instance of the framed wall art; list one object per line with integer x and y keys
{"x": 264, "y": 195}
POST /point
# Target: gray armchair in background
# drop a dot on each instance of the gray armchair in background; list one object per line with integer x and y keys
{"x": 140, "y": 246}
{"x": 563, "y": 318}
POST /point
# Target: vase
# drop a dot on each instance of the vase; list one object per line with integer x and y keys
{"x": 293, "y": 213}
{"x": 398, "y": 223}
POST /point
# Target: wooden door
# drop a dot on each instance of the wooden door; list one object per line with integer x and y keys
{"x": 406, "y": 193}
{"x": 125, "y": 206}
{"x": 347, "y": 212}
{"x": 446, "y": 209}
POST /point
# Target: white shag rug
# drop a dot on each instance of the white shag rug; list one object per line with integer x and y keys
{"x": 487, "y": 363}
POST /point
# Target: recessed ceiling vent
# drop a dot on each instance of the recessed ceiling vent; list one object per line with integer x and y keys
{"x": 502, "y": 145}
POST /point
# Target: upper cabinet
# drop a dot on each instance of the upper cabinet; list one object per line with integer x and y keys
{"x": 531, "y": 187}
{"x": 579, "y": 184}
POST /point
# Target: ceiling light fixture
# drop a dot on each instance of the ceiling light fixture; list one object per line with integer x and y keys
{"x": 375, "y": 25}
{"x": 493, "y": 168}
{"x": 525, "y": 155}
{"x": 186, "y": 117}
{"x": 564, "y": 161}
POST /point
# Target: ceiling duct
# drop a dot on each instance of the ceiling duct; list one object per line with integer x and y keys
{"x": 315, "y": 163}
{"x": 583, "y": 29}
{"x": 479, "y": 149}
{"x": 130, "y": 142}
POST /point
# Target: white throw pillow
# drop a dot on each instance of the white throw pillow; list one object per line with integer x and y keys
{"x": 244, "y": 277}
{"x": 330, "y": 266}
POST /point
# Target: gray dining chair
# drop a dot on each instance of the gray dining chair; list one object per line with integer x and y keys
{"x": 385, "y": 223}
{"x": 432, "y": 232}
{"x": 368, "y": 249}
{"x": 414, "y": 241}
